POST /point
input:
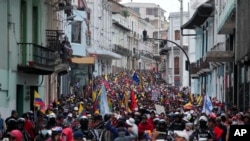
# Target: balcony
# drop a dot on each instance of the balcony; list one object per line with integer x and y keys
{"x": 226, "y": 23}
{"x": 36, "y": 59}
{"x": 194, "y": 70}
{"x": 120, "y": 21}
{"x": 146, "y": 54}
{"x": 121, "y": 50}
{"x": 204, "y": 67}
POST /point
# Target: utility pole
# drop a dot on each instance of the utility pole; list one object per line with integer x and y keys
{"x": 159, "y": 26}
{"x": 181, "y": 44}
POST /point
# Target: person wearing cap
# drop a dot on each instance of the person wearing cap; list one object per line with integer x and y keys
{"x": 75, "y": 112}
{"x": 188, "y": 128}
{"x": 68, "y": 120}
{"x": 181, "y": 136}
{"x": 52, "y": 121}
{"x": 56, "y": 134}
{"x": 78, "y": 136}
{"x": 202, "y": 133}
{"x": 131, "y": 123}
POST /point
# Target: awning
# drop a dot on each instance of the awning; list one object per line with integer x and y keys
{"x": 219, "y": 56}
{"x": 199, "y": 17}
{"x": 104, "y": 53}
{"x": 83, "y": 60}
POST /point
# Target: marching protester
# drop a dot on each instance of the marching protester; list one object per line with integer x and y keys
{"x": 127, "y": 107}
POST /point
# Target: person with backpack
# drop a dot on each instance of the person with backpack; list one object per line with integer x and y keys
{"x": 88, "y": 133}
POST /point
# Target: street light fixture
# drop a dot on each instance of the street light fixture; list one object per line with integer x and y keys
{"x": 164, "y": 51}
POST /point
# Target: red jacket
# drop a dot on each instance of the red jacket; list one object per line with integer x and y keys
{"x": 28, "y": 126}
{"x": 142, "y": 127}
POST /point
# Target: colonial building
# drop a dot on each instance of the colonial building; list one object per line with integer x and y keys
{"x": 177, "y": 75}
{"x": 153, "y": 14}
{"x": 213, "y": 70}
{"x": 101, "y": 26}
{"x": 31, "y": 46}
{"x": 78, "y": 35}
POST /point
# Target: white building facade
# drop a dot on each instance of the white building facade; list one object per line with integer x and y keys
{"x": 101, "y": 36}
{"x": 177, "y": 75}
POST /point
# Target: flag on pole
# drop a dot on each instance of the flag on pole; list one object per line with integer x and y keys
{"x": 141, "y": 83}
{"x": 38, "y": 102}
{"x": 104, "y": 107}
{"x": 94, "y": 95}
{"x": 136, "y": 78}
{"x": 199, "y": 100}
{"x": 191, "y": 98}
{"x": 133, "y": 99}
{"x": 207, "y": 105}
{"x": 188, "y": 106}
{"x": 81, "y": 111}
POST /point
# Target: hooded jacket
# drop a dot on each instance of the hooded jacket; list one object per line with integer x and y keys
{"x": 17, "y": 134}
{"x": 68, "y": 133}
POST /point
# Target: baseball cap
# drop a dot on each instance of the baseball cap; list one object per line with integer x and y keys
{"x": 70, "y": 115}
{"x": 182, "y": 134}
{"x": 75, "y": 109}
{"x": 78, "y": 134}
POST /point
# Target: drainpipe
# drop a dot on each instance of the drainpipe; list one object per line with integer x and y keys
{"x": 8, "y": 45}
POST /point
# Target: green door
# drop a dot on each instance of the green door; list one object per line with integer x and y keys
{"x": 19, "y": 99}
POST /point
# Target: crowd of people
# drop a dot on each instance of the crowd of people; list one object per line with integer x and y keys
{"x": 123, "y": 107}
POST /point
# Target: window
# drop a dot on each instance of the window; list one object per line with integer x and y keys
{"x": 177, "y": 34}
{"x": 152, "y": 11}
{"x": 137, "y": 10}
{"x": 76, "y": 32}
{"x": 149, "y": 11}
{"x": 176, "y": 65}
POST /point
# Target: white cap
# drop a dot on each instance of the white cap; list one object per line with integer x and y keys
{"x": 75, "y": 109}
{"x": 182, "y": 134}
{"x": 176, "y": 113}
{"x": 130, "y": 121}
{"x": 52, "y": 115}
{"x": 70, "y": 115}
{"x": 203, "y": 118}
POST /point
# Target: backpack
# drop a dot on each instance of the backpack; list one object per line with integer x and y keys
{"x": 105, "y": 135}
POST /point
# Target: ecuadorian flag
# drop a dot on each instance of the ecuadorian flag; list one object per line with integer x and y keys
{"x": 38, "y": 102}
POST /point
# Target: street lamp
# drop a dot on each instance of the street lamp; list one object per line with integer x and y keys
{"x": 164, "y": 51}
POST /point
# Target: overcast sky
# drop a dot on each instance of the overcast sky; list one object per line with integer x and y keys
{"x": 167, "y": 5}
